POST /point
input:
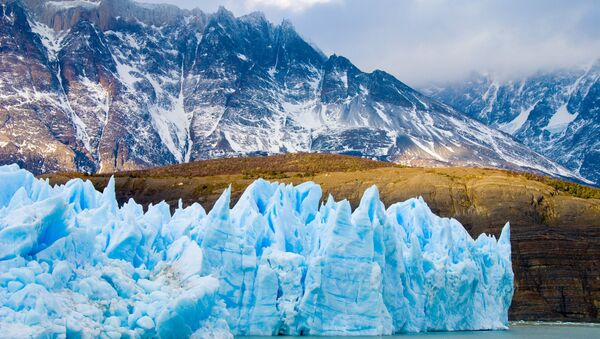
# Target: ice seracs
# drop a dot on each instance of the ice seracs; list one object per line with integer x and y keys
{"x": 280, "y": 261}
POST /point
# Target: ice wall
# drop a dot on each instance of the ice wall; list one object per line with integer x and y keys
{"x": 279, "y": 262}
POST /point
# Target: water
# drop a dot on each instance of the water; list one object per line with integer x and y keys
{"x": 518, "y": 330}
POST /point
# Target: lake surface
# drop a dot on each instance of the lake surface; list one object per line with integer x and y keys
{"x": 519, "y": 330}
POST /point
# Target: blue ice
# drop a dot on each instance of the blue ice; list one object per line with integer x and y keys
{"x": 282, "y": 261}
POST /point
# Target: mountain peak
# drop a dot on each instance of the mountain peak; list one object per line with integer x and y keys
{"x": 287, "y": 29}
{"x": 223, "y": 13}
{"x": 339, "y": 61}
{"x": 287, "y": 24}
{"x": 255, "y": 16}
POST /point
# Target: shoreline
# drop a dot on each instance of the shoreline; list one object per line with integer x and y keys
{"x": 550, "y": 323}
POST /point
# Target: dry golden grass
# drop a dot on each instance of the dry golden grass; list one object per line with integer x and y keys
{"x": 307, "y": 163}
{"x": 343, "y": 176}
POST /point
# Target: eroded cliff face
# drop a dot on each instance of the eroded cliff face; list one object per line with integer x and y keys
{"x": 105, "y": 14}
{"x": 36, "y": 130}
{"x": 555, "y": 236}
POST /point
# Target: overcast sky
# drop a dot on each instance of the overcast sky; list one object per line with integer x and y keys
{"x": 427, "y": 41}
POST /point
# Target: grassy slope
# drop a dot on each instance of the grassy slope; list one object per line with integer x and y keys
{"x": 203, "y": 180}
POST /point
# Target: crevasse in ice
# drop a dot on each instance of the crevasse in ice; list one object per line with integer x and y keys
{"x": 279, "y": 262}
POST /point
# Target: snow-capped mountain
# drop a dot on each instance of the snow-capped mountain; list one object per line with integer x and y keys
{"x": 555, "y": 113}
{"x": 114, "y": 85}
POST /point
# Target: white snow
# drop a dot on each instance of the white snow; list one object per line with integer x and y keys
{"x": 379, "y": 109}
{"x": 560, "y": 120}
{"x": 513, "y": 126}
{"x": 66, "y": 4}
{"x": 304, "y": 114}
{"x": 51, "y": 40}
{"x": 490, "y": 97}
{"x": 172, "y": 122}
{"x": 172, "y": 125}
{"x": 97, "y": 93}
{"x": 128, "y": 40}
{"x": 126, "y": 74}
{"x": 429, "y": 150}
{"x": 344, "y": 79}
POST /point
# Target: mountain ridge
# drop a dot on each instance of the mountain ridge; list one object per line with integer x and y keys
{"x": 117, "y": 92}
{"x": 554, "y": 112}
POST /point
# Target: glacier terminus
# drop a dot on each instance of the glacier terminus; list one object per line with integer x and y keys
{"x": 282, "y": 260}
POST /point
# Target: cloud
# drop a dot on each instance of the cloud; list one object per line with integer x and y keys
{"x": 291, "y": 5}
{"x": 276, "y": 7}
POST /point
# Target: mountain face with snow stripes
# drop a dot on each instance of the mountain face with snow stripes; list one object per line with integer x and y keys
{"x": 102, "y": 86}
{"x": 556, "y": 113}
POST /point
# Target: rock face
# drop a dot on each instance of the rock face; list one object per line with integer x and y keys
{"x": 555, "y": 113}
{"x": 101, "y": 86}
{"x": 555, "y": 236}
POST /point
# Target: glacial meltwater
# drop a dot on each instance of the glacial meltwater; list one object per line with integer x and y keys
{"x": 517, "y": 330}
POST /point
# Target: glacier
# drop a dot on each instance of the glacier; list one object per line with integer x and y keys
{"x": 283, "y": 260}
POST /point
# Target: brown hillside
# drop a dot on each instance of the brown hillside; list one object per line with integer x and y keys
{"x": 555, "y": 224}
